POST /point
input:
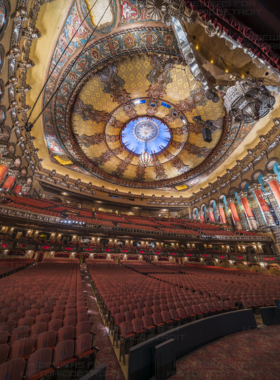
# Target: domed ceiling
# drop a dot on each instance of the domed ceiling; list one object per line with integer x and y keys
{"x": 126, "y": 91}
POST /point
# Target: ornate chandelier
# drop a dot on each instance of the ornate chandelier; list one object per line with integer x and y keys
{"x": 248, "y": 101}
{"x": 145, "y": 158}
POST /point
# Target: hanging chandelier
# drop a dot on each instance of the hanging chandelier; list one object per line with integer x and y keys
{"x": 145, "y": 158}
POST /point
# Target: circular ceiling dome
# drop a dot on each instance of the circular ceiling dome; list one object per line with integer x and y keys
{"x": 145, "y": 134}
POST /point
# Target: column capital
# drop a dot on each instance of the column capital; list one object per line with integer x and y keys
{"x": 242, "y": 194}
{"x": 256, "y": 186}
{"x": 210, "y": 209}
{"x": 231, "y": 200}
{"x": 6, "y": 161}
{"x": 221, "y": 205}
{"x": 270, "y": 177}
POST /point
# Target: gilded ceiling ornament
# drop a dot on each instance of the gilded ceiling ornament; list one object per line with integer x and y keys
{"x": 179, "y": 165}
{"x": 158, "y": 168}
{"x": 248, "y": 101}
{"x": 88, "y": 141}
{"x": 149, "y": 38}
{"x": 159, "y": 77}
{"x": 123, "y": 166}
{"x": 105, "y": 157}
{"x": 196, "y": 150}
{"x": 129, "y": 40}
{"x": 87, "y": 112}
{"x": 180, "y": 131}
{"x": 113, "y": 122}
{"x": 113, "y": 84}
{"x": 153, "y": 9}
{"x": 140, "y": 174}
{"x": 112, "y": 138}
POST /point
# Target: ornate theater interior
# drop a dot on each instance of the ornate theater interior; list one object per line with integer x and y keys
{"x": 139, "y": 189}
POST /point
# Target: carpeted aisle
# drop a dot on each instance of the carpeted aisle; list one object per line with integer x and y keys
{"x": 248, "y": 355}
{"x": 102, "y": 340}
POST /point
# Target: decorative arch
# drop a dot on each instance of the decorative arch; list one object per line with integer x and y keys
{"x": 232, "y": 191}
{"x": 222, "y": 197}
{"x": 17, "y": 162}
{"x": 5, "y": 134}
{"x": 271, "y": 164}
{"x": 5, "y": 10}
{"x": 256, "y": 175}
{"x": 244, "y": 185}
{"x": 12, "y": 149}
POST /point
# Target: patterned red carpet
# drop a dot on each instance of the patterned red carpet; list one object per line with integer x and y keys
{"x": 248, "y": 355}
{"x": 102, "y": 340}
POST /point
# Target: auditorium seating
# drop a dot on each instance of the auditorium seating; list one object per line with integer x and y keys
{"x": 9, "y": 266}
{"x": 43, "y": 314}
{"x": 107, "y": 219}
{"x": 174, "y": 295}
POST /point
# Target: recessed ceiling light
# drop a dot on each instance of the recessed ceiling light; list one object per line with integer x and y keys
{"x": 64, "y": 194}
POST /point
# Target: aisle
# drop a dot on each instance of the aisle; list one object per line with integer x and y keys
{"x": 102, "y": 340}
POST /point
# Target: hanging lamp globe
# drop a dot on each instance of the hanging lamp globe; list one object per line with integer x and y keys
{"x": 145, "y": 159}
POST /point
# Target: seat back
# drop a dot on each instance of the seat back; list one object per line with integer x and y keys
{"x": 147, "y": 311}
{"x": 82, "y": 317}
{"x": 81, "y": 310}
{"x": 32, "y": 313}
{"x": 4, "y": 336}
{"x": 66, "y": 333}
{"x": 16, "y": 316}
{"x": 57, "y": 315}
{"x": 139, "y": 313}
{"x": 173, "y": 314}
{"x": 42, "y": 318}
{"x": 70, "y": 312}
{"x": 19, "y": 333}
{"x": 46, "y": 339}
{"x": 55, "y": 325}
{"x": 37, "y": 329}
{"x": 147, "y": 321}
{"x": 165, "y": 316}
{"x": 137, "y": 325}
{"x": 126, "y": 329}
{"x": 123, "y": 308}
{"x": 129, "y": 316}
{"x": 157, "y": 318}
{"x": 26, "y": 321}
{"x": 38, "y": 362}
{"x": 62, "y": 352}
{"x": 46, "y": 310}
{"x": 13, "y": 369}
{"x": 21, "y": 348}
{"x": 83, "y": 328}
{"x": 4, "y": 352}
{"x": 83, "y": 344}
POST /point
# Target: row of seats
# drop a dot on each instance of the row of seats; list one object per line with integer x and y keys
{"x": 9, "y": 266}
{"x": 136, "y": 307}
{"x": 43, "y": 314}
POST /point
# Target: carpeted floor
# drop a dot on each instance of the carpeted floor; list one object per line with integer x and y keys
{"x": 248, "y": 355}
{"x": 102, "y": 340}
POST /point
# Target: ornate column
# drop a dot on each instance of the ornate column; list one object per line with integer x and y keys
{"x": 3, "y": 150}
{"x": 18, "y": 187}
{"x": 11, "y": 179}
{"x": 271, "y": 179}
{"x": 201, "y": 215}
{"x": 211, "y": 214}
{"x": 248, "y": 211}
{"x": 234, "y": 214}
{"x": 222, "y": 213}
{"x": 257, "y": 189}
{"x": 5, "y": 164}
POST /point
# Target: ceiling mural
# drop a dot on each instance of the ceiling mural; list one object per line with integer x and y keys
{"x": 129, "y": 93}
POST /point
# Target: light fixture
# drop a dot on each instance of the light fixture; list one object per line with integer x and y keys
{"x": 212, "y": 61}
{"x": 65, "y": 194}
{"x": 145, "y": 158}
